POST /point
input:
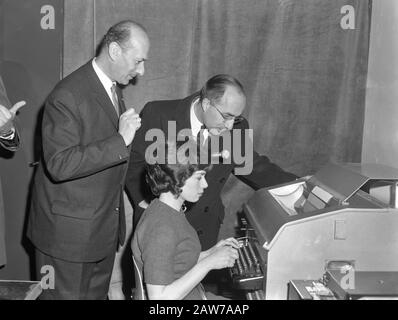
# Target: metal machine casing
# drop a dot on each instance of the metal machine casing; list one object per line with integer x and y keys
{"x": 342, "y": 222}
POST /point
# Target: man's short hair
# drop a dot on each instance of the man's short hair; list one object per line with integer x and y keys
{"x": 215, "y": 87}
{"x": 119, "y": 33}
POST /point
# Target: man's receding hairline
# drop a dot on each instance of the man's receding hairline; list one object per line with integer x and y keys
{"x": 137, "y": 36}
{"x": 232, "y": 87}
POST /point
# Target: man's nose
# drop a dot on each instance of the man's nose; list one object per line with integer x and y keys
{"x": 229, "y": 124}
{"x": 141, "y": 69}
{"x": 204, "y": 183}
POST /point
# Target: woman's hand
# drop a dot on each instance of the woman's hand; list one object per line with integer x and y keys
{"x": 228, "y": 242}
{"x": 232, "y": 242}
{"x": 222, "y": 256}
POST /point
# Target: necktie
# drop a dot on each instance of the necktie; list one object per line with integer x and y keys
{"x": 115, "y": 100}
{"x": 204, "y": 145}
{"x": 202, "y": 138}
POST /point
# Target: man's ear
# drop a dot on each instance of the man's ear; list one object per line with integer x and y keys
{"x": 205, "y": 104}
{"x": 114, "y": 50}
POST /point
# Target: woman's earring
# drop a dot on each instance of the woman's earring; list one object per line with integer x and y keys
{"x": 183, "y": 207}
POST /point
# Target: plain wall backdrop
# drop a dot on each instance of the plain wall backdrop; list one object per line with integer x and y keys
{"x": 380, "y": 138}
{"x": 305, "y": 76}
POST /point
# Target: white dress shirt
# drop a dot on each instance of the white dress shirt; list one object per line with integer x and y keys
{"x": 195, "y": 123}
{"x": 105, "y": 80}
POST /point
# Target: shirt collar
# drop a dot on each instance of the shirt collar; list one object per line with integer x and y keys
{"x": 196, "y": 125}
{"x": 105, "y": 80}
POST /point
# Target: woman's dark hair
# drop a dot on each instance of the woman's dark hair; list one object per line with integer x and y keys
{"x": 179, "y": 165}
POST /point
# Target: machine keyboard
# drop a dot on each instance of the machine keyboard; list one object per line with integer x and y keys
{"x": 247, "y": 272}
{"x": 255, "y": 295}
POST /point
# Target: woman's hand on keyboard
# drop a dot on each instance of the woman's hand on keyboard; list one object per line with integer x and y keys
{"x": 232, "y": 242}
{"x": 222, "y": 257}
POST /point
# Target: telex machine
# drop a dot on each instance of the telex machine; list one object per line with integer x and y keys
{"x": 345, "y": 212}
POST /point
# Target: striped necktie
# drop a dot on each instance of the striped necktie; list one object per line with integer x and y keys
{"x": 115, "y": 99}
{"x": 200, "y": 138}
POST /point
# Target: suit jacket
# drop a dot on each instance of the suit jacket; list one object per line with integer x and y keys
{"x": 11, "y": 145}
{"x": 77, "y": 210}
{"x": 207, "y": 214}
{"x": 3, "y": 259}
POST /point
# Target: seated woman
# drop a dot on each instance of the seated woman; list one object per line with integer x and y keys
{"x": 165, "y": 246}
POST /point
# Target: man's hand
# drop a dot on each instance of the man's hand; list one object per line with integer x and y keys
{"x": 7, "y": 116}
{"x": 129, "y": 123}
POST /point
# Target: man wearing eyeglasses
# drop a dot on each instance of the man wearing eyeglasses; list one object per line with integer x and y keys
{"x": 217, "y": 108}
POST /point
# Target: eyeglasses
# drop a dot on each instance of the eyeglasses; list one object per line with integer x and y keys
{"x": 227, "y": 117}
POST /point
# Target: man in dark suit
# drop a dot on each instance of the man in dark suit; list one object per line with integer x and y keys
{"x": 217, "y": 108}
{"x": 76, "y": 220}
{"x": 9, "y": 139}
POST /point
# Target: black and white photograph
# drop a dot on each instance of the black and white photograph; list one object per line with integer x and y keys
{"x": 193, "y": 150}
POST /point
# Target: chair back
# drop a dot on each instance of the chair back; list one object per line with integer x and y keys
{"x": 139, "y": 292}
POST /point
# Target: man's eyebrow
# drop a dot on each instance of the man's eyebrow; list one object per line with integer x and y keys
{"x": 230, "y": 114}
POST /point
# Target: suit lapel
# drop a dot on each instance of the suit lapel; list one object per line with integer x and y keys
{"x": 182, "y": 117}
{"x": 108, "y": 108}
{"x": 101, "y": 95}
{"x": 3, "y": 96}
{"x": 182, "y": 114}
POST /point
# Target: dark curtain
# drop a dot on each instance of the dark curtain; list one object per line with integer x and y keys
{"x": 304, "y": 75}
